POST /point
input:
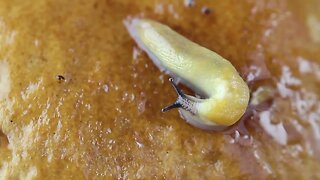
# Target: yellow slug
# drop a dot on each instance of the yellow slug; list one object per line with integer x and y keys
{"x": 224, "y": 94}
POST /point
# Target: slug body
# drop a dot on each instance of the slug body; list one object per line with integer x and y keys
{"x": 224, "y": 94}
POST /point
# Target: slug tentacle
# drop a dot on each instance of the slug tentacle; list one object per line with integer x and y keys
{"x": 172, "y": 106}
{"x": 183, "y": 101}
{"x": 225, "y": 94}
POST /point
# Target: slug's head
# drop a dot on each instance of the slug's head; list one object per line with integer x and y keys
{"x": 188, "y": 109}
{"x": 183, "y": 101}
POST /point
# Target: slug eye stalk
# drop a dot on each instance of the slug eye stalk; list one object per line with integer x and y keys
{"x": 183, "y": 101}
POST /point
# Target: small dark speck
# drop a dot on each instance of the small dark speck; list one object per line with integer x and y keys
{"x": 60, "y": 78}
{"x": 95, "y": 5}
{"x": 189, "y": 3}
{"x": 205, "y": 10}
{"x": 11, "y": 121}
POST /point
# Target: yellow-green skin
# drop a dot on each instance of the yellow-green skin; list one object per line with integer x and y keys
{"x": 200, "y": 68}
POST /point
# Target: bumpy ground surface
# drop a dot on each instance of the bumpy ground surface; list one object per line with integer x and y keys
{"x": 103, "y": 118}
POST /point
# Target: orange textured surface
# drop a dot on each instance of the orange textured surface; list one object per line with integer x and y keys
{"x": 104, "y": 119}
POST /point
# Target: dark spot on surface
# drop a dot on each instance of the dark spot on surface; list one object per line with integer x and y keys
{"x": 44, "y": 59}
{"x": 205, "y": 10}
{"x": 11, "y": 121}
{"x": 60, "y": 78}
{"x": 189, "y": 3}
{"x": 95, "y": 5}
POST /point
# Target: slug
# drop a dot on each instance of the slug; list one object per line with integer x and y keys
{"x": 224, "y": 94}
